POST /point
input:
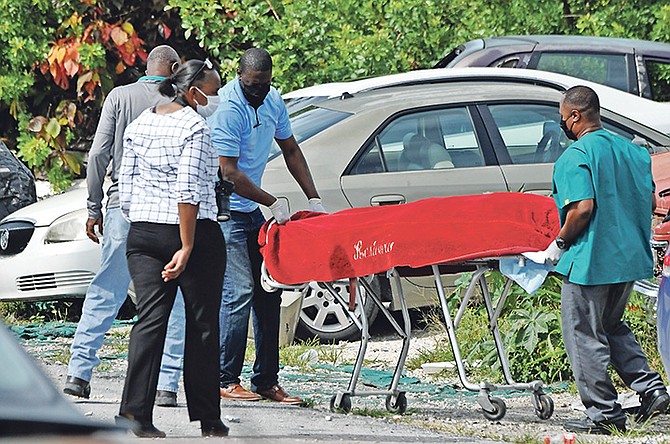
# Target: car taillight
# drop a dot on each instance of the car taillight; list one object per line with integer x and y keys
{"x": 666, "y": 265}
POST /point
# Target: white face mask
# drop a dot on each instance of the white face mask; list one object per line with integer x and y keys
{"x": 209, "y": 109}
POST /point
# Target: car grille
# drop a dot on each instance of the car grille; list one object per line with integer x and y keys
{"x": 14, "y": 236}
{"x": 50, "y": 281}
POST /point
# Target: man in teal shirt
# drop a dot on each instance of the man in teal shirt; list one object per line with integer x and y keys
{"x": 604, "y": 192}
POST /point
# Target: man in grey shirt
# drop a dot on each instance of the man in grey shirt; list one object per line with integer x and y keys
{"x": 108, "y": 290}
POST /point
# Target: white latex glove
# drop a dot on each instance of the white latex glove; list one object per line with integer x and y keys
{"x": 279, "y": 211}
{"x": 316, "y": 206}
{"x": 549, "y": 256}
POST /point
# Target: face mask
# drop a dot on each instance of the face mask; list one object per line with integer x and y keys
{"x": 568, "y": 131}
{"x": 209, "y": 109}
{"x": 255, "y": 94}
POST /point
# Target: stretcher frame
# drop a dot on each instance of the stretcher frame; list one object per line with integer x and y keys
{"x": 493, "y": 408}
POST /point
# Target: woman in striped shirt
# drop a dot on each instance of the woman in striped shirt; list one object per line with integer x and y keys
{"x": 166, "y": 189}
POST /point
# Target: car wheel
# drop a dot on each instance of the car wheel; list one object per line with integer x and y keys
{"x": 323, "y": 317}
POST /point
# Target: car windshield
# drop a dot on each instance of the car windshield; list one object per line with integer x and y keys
{"x": 308, "y": 122}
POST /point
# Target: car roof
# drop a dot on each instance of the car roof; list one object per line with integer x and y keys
{"x": 408, "y": 96}
{"x": 645, "y": 111}
{"x": 579, "y": 41}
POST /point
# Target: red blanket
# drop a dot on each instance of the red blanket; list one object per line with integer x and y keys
{"x": 362, "y": 241}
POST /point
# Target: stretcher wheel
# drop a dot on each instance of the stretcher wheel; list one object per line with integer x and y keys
{"x": 400, "y": 405}
{"x": 345, "y": 404}
{"x": 546, "y": 407}
{"x": 499, "y": 409}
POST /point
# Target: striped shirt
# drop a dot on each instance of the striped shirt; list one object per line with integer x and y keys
{"x": 167, "y": 159}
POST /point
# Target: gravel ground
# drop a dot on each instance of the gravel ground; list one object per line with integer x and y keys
{"x": 432, "y": 403}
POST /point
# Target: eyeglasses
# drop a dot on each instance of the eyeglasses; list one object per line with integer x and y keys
{"x": 205, "y": 64}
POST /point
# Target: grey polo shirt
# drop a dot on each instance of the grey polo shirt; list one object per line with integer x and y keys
{"x": 123, "y": 105}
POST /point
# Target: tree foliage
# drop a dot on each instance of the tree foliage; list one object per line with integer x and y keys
{"x": 58, "y": 58}
{"x": 335, "y": 40}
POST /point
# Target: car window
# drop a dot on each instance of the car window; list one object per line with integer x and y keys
{"x": 607, "y": 69}
{"x": 426, "y": 140}
{"x": 659, "y": 80}
{"x": 531, "y": 132}
{"x": 518, "y": 60}
{"x": 308, "y": 122}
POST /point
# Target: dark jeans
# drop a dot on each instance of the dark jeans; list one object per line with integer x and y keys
{"x": 595, "y": 336}
{"x": 149, "y": 247}
{"x": 242, "y": 294}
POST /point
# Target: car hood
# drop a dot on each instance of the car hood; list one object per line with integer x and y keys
{"x": 44, "y": 212}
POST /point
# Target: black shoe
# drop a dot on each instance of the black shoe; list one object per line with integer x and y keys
{"x": 586, "y": 425}
{"x": 213, "y": 427}
{"x": 165, "y": 398}
{"x": 141, "y": 429}
{"x": 77, "y": 387}
{"x": 652, "y": 403}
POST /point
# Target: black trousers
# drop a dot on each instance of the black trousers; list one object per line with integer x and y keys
{"x": 149, "y": 247}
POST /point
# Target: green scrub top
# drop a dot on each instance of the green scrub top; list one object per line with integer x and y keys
{"x": 616, "y": 174}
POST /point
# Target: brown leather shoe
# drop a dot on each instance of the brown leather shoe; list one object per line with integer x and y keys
{"x": 236, "y": 391}
{"x": 276, "y": 393}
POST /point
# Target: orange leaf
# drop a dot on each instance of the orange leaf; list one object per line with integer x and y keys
{"x": 82, "y": 79}
{"x": 60, "y": 54}
{"x": 167, "y": 32}
{"x": 71, "y": 67}
{"x": 51, "y": 58}
{"x": 120, "y": 67}
{"x": 119, "y": 36}
{"x": 54, "y": 69}
{"x": 142, "y": 54}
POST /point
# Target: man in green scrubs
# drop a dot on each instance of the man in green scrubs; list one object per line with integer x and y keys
{"x": 604, "y": 192}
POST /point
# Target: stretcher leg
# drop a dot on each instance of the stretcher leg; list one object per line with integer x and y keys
{"x": 493, "y": 315}
{"x": 396, "y": 401}
{"x": 493, "y": 408}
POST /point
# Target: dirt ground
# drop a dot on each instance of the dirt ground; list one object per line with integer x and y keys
{"x": 436, "y": 403}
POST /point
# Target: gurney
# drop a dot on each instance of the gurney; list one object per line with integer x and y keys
{"x": 425, "y": 237}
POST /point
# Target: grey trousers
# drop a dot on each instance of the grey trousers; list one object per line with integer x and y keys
{"x": 595, "y": 336}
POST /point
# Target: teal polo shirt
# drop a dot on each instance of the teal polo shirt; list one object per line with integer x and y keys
{"x": 616, "y": 174}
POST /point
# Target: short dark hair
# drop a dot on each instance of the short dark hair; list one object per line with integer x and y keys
{"x": 255, "y": 59}
{"x": 191, "y": 73}
{"x": 583, "y": 99}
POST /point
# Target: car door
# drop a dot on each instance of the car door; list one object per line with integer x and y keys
{"x": 528, "y": 139}
{"x": 654, "y": 78}
{"x": 424, "y": 153}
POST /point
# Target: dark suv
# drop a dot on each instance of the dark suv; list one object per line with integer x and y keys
{"x": 17, "y": 184}
{"x": 639, "y": 67}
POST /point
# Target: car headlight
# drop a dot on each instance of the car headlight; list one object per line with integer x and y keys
{"x": 68, "y": 228}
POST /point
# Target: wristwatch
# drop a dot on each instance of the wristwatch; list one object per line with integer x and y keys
{"x": 561, "y": 243}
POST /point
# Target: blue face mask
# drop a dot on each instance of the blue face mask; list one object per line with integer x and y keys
{"x": 211, "y": 106}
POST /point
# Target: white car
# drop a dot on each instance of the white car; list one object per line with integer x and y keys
{"x": 46, "y": 253}
{"x": 644, "y": 111}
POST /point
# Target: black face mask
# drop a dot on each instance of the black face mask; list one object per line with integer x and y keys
{"x": 568, "y": 131}
{"x": 255, "y": 94}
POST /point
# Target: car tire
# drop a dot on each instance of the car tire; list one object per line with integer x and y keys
{"x": 324, "y": 318}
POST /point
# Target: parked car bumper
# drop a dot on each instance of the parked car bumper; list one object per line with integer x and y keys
{"x": 64, "y": 269}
